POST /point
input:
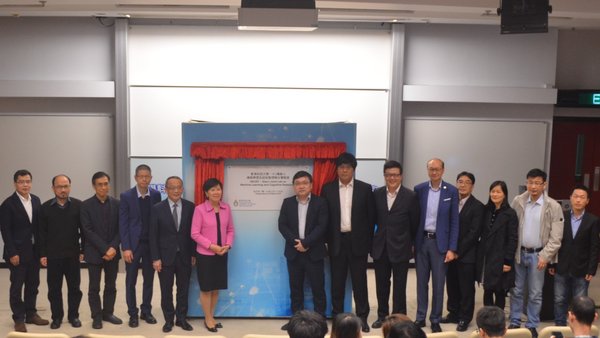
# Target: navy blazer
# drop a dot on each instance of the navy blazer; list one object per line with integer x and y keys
{"x": 130, "y": 217}
{"x": 99, "y": 238}
{"x": 164, "y": 237}
{"x": 447, "y": 218}
{"x": 18, "y": 232}
{"x": 314, "y": 232}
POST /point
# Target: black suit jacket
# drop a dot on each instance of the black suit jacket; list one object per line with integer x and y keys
{"x": 18, "y": 232}
{"x": 397, "y": 227}
{"x": 579, "y": 256}
{"x": 315, "y": 230}
{"x": 470, "y": 220}
{"x": 99, "y": 238}
{"x": 362, "y": 217}
{"x": 164, "y": 237}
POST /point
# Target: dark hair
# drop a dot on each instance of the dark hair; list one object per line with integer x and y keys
{"x": 59, "y": 175}
{"x": 491, "y": 320}
{"x": 392, "y": 319}
{"x": 346, "y": 158}
{"x": 210, "y": 183}
{"x": 301, "y": 174}
{"x": 502, "y": 185}
{"x": 437, "y": 159}
{"x": 582, "y": 187}
{"x": 346, "y": 325}
{"x": 142, "y": 167}
{"x": 98, "y": 175}
{"x": 468, "y": 174}
{"x": 307, "y": 324}
{"x": 406, "y": 330}
{"x": 537, "y": 173}
{"x": 392, "y": 164}
{"x": 584, "y": 309}
{"x": 173, "y": 178}
{"x": 21, "y": 172}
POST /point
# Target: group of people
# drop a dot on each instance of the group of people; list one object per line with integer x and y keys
{"x": 455, "y": 239}
{"x": 168, "y": 237}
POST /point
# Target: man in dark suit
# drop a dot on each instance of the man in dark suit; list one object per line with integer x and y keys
{"x": 19, "y": 217}
{"x": 351, "y": 222}
{"x": 397, "y": 222}
{"x": 134, "y": 228}
{"x": 100, "y": 223}
{"x": 577, "y": 256}
{"x": 303, "y": 225}
{"x": 460, "y": 278}
{"x": 436, "y": 241}
{"x": 172, "y": 250}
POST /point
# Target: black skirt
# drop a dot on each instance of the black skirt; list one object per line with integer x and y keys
{"x": 212, "y": 272}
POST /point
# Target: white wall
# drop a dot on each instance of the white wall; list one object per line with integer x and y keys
{"x": 578, "y": 65}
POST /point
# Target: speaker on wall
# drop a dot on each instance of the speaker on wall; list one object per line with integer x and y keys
{"x": 524, "y": 16}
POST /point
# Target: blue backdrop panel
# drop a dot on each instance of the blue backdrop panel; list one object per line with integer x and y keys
{"x": 258, "y": 279}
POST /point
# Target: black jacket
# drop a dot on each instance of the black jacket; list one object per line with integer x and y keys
{"x": 18, "y": 232}
{"x": 98, "y": 237}
{"x": 579, "y": 256}
{"x": 470, "y": 220}
{"x": 164, "y": 237}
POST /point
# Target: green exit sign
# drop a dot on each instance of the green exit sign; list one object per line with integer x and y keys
{"x": 579, "y": 98}
{"x": 592, "y": 99}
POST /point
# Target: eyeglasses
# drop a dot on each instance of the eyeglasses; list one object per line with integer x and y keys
{"x": 465, "y": 182}
{"x": 23, "y": 182}
{"x": 535, "y": 183}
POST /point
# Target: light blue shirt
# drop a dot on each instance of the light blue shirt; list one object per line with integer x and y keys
{"x": 532, "y": 223}
{"x": 576, "y": 222}
{"x": 433, "y": 202}
{"x": 302, "y": 211}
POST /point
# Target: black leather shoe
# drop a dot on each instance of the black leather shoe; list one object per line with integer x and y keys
{"x": 75, "y": 322}
{"x": 462, "y": 326}
{"x": 377, "y": 324}
{"x": 435, "y": 327}
{"x": 97, "y": 323}
{"x": 513, "y": 326}
{"x": 218, "y": 325}
{"x": 168, "y": 327}
{"x": 420, "y": 323}
{"x": 534, "y": 333}
{"x": 449, "y": 319}
{"x": 148, "y": 318}
{"x": 134, "y": 321}
{"x": 365, "y": 326}
{"x": 210, "y": 329}
{"x": 285, "y": 326}
{"x": 55, "y": 324}
{"x": 184, "y": 325}
{"x": 112, "y": 319}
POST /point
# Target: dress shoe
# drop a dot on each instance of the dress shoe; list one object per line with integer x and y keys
{"x": 435, "y": 327}
{"x": 112, "y": 319}
{"x": 97, "y": 323}
{"x": 218, "y": 325}
{"x": 449, "y": 319}
{"x": 134, "y": 321}
{"x": 365, "y": 326}
{"x": 377, "y": 324}
{"x": 514, "y": 326}
{"x": 285, "y": 326}
{"x": 75, "y": 322}
{"x": 210, "y": 329}
{"x": 20, "y": 327}
{"x": 55, "y": 324}
{"x": 420, "y": 323}
{"x": 462, "y": 326}
{"x": 168, "y": 327}
{"x": 534, "y": 333}
{"x": 148, "y": 318}
{"x": 37, "y": 320}
{"x": 184, "y": 325}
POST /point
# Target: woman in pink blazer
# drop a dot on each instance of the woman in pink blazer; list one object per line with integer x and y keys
{"x": 212, "y": 230}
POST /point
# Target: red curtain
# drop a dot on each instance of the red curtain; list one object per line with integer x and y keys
{"x": 210, "y": 158}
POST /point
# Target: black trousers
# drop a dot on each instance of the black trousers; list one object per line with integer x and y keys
{"x": 499, "y": 295}
{"x": 141, "y": 257}
{"x": 298, "y": 268}
{"x": 22, "y": 303}
{"x": 383, "y": 272}
{"x": 69, "y": 269}
{"x": 180, "y": 270}
{"x": 107, "y": 306}
{"x": 357, "y": 265}
{"x": 460, "y": 286}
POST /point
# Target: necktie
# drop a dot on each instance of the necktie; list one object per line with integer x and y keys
{"x": 175, "y": 219}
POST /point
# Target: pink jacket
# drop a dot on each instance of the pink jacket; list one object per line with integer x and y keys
{"x": 204, "y": 227}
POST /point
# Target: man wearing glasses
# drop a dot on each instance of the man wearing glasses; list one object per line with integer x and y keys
{"x": 540, "y": 235}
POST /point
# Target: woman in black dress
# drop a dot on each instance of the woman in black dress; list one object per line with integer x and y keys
{"x": 496, "y": 251}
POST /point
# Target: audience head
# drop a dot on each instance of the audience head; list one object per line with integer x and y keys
{"x": 583, "y": 310}
{"x": 346, "y": 325}
{"x": 307, "y": 324}
{"x": 392, "y": 319}
{"x": 498, "y": 195}
{"x": 491, "y": 322}
{"x": 406, "y": 330}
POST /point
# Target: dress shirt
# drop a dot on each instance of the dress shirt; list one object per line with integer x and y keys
{"x": 462, "y": 202}
{"x": 27, "y": 204}
{"x": 576, "y": 222}
{"x": 391, "y": 197}
{"x": 171, "y": 203}
{"x": 147, "y": 194}
{"x": 302, "y": 210}
{"x": 433, "y": 202}
{"x": 531, "y": 223}
{"x": 346, "y": 206}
